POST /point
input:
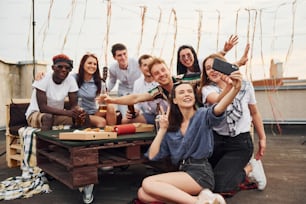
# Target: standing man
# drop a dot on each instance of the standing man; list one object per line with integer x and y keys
{"x": 125, "y": 70}
{"x": 48, "y": 97}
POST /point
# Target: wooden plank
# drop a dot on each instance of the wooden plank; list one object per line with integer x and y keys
{"x": 83, "y": 135}
{"x": 133, "y": 152}
{"x": 84, "y": 156}
{"x": 54, "y": 157}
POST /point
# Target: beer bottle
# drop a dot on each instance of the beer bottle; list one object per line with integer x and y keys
{"x": 79, "y": 121}
{"x": 157, "y": 117}
{"x": 103, "y": 105}
{"x": 132, "y": 110}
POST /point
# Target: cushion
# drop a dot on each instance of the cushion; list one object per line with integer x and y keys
{"x": 17, "y": 117}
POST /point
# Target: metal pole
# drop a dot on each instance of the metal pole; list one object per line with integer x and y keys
{"x": 33, "y": 43}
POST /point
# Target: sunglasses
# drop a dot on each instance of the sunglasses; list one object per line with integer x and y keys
{"x": 68, "y": 68}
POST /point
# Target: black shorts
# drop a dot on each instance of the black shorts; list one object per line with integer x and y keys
{"x": 200, "y": 170}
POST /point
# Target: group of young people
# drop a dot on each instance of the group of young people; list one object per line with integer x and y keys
{"x": 204, "y": 125}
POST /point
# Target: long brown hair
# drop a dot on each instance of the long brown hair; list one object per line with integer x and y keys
{"x": 204, "y": 77}
{"x": 180, "y": 68}
{"x": 96, "y": 76}
{"x": 175, "y": 115}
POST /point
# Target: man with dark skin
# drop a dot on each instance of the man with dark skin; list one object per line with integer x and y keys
{"x": 46, "y": 108}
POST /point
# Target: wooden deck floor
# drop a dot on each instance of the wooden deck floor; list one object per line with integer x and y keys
{"x": 284, "y": 163}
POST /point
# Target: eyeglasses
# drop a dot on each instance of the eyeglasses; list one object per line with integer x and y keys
{"x": 68, "y": 68}
{"x": 186, "y": 56}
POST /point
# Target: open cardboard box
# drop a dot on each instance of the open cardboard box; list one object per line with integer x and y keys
{"x": 87, "y": 135}
{"x": 130, "y": 128}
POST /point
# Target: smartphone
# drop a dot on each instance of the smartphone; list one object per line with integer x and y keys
{"x": 224, "y": 67}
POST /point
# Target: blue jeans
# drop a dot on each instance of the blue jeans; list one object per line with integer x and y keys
{"x": 230, "y": 156}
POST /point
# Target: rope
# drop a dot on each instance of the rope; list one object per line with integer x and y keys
{"x": 218, "y": 32}
{"x": 83, "y": 21}
{"x": 143, "y": 15}
{"x": 174, "y": 38}
{"x": 70, "y": 15}
{"x": 236, "y": 30}
{"x": 166, "y": 35}
{"x": 157, "y": 30}
{"x": 252, "y": 47}
{"x": 108, "y": 23}
{"x": 199, "y": 30}
{"x": 292, "y": 32}
{"x": 46, "y": 25}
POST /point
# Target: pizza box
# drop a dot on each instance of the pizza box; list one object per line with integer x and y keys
{"x": 130, "y": 128}
{"x": 142, "y": 127}
{"x": 87, "y": 135}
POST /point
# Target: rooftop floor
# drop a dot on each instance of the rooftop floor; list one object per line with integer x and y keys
{"x": 284, "y": 163}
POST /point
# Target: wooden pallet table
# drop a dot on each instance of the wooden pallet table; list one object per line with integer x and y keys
{"x": 76, "y": 163}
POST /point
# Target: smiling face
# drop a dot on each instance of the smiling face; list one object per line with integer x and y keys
{"x": 144, "y": 66}
{"x": 61, "y": 71}
{"x": 211, "y": 73}
{"x": 161, "y": 74}
{"x": 90, "y": 65}
{"x": 122, "y": 58}
{"x": 184, "y": 96}
{"x": 186, "y": 58}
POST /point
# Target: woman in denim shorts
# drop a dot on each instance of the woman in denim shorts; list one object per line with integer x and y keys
{"x": 185, "y": 135}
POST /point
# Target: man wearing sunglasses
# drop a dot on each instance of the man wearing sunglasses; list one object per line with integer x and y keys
{"x": 46, "y": 107}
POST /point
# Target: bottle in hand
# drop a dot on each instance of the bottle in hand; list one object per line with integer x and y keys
{"x": 103, "y": 105}
{"x": 80, "y": 120}
{"x": 157, "y": 118}
{"x": 132, "y": 110}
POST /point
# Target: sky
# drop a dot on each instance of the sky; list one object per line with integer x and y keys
{"x": 274, "y": 28}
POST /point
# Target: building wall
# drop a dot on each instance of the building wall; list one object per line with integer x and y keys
{"x": 16, "y": 82}
{"x": 284, "y": 105}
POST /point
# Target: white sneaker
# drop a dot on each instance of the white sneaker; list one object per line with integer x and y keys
{"x": 87, "y": 194}
{"x": 207, "y": 197}
{"x": 258, "y": 174}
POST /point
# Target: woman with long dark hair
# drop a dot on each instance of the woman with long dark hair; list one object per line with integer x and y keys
{"x": 90, "y": 85}
{"x": 185, "y": 135}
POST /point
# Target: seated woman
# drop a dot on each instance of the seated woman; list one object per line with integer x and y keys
{"x": 90, "y": 86}
{"x": 186, "y": 136}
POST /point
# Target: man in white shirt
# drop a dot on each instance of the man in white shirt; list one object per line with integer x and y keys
{"x": 144, "y": 111}
{"x": 125, "y": 70}
{"x": 48, "y": 97}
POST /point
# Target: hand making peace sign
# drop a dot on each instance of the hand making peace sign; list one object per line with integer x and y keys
{"x": 163, "y": 120}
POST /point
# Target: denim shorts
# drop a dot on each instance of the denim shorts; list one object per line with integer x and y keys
{"x": 200, "y": 170}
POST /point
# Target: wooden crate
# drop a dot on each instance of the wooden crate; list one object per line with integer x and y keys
{"x": 15, "y": 110}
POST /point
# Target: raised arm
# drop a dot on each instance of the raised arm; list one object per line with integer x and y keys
{"x": 163, "y": 126}
{"x": 128, "y": 99}
{"x": 229, "y": 44}
{"x": 244, "y": 58}
{"x": 236, "y": 80}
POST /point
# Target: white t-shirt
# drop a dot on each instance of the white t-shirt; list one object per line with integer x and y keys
{"x": 56, "y": 93}
{"x": 126, "y": 77}
{"x": 141, "y": 86}
{"x": 244, "y": 123}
